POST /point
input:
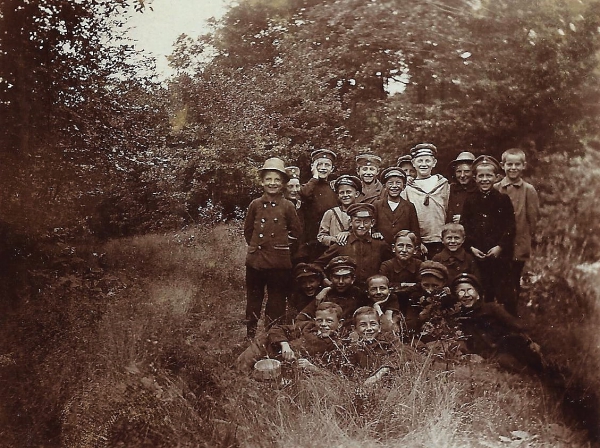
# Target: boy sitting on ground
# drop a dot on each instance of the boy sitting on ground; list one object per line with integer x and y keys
{"x": 454, "y": 256}
{"x": 341, "y": 273}
{"x": 297, "y": 342}
{"x": 384, "y": 302}
{"x": 490, "y": 331}
{"x": 403, "y": 269}
{"x": 308, "y": 282}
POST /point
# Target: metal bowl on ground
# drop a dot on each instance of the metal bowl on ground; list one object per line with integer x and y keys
{"x": 267, "y": 369}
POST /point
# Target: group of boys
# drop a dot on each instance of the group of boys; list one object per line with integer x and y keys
{"x": 400, "y": 249}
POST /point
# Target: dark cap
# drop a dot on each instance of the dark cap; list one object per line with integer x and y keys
{"x": 487, "y": 161}
{"x": 392, "y": 171}
{"x": 465, "y": 278}
{"x": 347, "y": 179}
{"x": 368, "y": 159}
{"x": 308, "y": 270}
{"x": 323, "y": 153}
{"x": 423, "y": 149}
{"x": 341, "y": 265}
{"x": 361, "y": 210}
{"x": 434, "y": 268}
{"x": 406, "y": 158}
{"x": 293, "y": 172}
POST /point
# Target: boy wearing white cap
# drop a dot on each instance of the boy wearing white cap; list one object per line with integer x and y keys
{"x": 429, "y": 194}
{"x": 461, "y": 171}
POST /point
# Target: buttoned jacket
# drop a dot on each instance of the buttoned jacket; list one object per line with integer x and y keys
{"x": 389, "y": 222}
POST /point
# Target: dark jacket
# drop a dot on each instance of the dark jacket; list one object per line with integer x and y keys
{"x": 389, "y": 222}
{"x": 367, "y": 252}
{"x": 269, "y": 229}
{"x": 458, "y": 195}
{"x": 317, "y": 197}
{"x": 458, "y": 262}
{"x": 304, "y": 340}
{"x": 489, "y": 221}
{"x": 350, "y": 301}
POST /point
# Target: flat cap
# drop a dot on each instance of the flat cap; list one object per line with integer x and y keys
{"x": 434, "y": 268}
{"x": 347, "y": 179}
{"x": 341, "y": 265}
{"x": 423, "y": 149}
{"x": 323, "y": 153}
{"x": 308, "y": 270}
{"x": 392, "y": 171}
{"x": 368, "y": 159}
{"x": 293, "y": 172}
{"x": 361, "y": 210}
{"x": 465, "y": 278}
{"x": 487, "y": 161}
{"x": 406, "y": 158}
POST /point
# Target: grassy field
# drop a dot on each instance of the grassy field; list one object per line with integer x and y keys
{"x": 131, "y": 344}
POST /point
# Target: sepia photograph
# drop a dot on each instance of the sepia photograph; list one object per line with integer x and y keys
{"x": 300, "y": 223}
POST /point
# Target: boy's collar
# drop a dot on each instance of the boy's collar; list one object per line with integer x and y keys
{"x": 505, "y": 182}
{"x": 268, "y": 200}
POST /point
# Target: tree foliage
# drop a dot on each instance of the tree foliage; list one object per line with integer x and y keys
{"x": 347, "y": 74}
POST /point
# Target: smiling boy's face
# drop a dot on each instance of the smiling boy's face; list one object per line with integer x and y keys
{"x": 361, "y": 226}
{"x": 367, "y": 173}
{"x": 324, "y": 167}
{"x": 341, "y": 282}
{"x": 453, "y": 240}
{"x": 309, "y": 285}
{"x": 367, "y": 326}
{"x": 395, "y": 185}
{"x": 513, "y": 167}
{"x": 423, "y": 165}
{"x": 272, "y": 183}
{"x": 463, "y": 173}
{"x": 327, "y": 321}
{"x": 292, "y": 189}
{"x": 347, "y": 195}
{"x": 404, "y": 248}
{"x": 378, "y": 289}
{"x": 485, "y": 177}
{"x": 467, "y": 294}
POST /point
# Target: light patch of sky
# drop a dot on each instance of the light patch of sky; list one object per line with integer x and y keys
{"x": 155, "y": 30}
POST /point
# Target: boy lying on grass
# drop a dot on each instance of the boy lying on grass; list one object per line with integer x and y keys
{"x": 298, "y": 342}
{"x": 374, "y": 350}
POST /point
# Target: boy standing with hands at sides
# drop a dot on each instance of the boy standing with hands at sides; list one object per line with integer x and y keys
{"x": 489, "y": 221}
{"x": 394, "y": 213}
{"x": 429, "y": 194}
{"x": 317, "y": 197}
{"x": 525, "y": 201}
{"x": 367, "y": 168}
{"x": 271, "y": 224}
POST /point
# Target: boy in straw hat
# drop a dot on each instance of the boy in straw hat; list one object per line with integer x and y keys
{"x": 271, "y": 224}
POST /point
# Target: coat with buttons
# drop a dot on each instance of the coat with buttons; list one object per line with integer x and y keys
{"x": 269, "y": 229}
{"x": 389, "y": 222}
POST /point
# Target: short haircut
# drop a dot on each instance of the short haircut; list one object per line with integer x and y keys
{"x": 514, "y": 152}
{"x": 365, "y": 311}
{"x": 373, "y": 277}
{"x": 453, "y": 227}
{"x": 408, "y": 234}
{"x": 331, "y": 307}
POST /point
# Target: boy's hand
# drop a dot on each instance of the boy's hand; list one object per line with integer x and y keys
{"x": 323, "y": 294}
{"x": 286, "y": 352}
{"x": 307, "y": 365}
{"x": 377, "y": 236}
{"x": 478, "y": 253}
{"x": 341, "y": 238}
{"x": 313, "y": 170}
{"x": 456, "y": 219}
{"x": 494, "y": 252}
